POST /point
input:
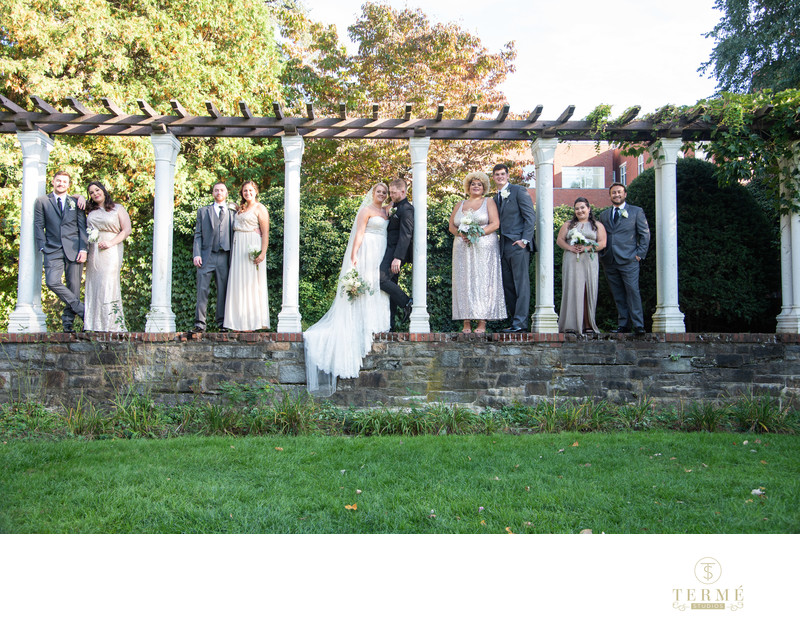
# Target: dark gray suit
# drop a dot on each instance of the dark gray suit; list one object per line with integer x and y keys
{"x": 212, "y": 242}
{"x": 517, "y": 221}
{"x": 60, "y": 236}
{"x": 399, "y": 245}
{"x": 627, "y": 239}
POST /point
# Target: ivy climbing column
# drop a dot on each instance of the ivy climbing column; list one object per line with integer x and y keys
{"x": 28, "y": 316}
{"x": 161, "y": 318}
{"x": 789, "y": 318}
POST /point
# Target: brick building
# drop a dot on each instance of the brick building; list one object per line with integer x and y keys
{"x": 580, "y": 169}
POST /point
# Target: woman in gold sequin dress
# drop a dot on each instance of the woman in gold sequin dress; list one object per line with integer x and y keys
{"x": 477, "y": 276}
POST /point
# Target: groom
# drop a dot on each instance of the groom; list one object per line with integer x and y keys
{"x": 60, "y": 232}
{"x": 213, "y": 237}
{"x": 398, "y": 250}
{"x": 517, "y": 223}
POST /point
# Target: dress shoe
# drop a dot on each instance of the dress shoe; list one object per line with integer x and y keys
{"x": 621, "y": 330}
{"x": 513, "y": 330}
{"x": 198, "y": 330}
{"x": 407, "y": 311}
{"x": 639, "y": 331}
{"x": 68, "y": 329}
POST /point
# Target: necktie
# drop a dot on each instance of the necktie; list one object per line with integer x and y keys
{"x": 219, "y": 211}
{"x": 60, "y": 207}
{"x": 616, "y": 215}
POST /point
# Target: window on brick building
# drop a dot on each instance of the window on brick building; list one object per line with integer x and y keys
{"x": 623, "y": 174}
{"x": 640, "y": 164}
{"x": 583, "y": 178}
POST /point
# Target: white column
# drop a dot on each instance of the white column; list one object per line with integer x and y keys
{"x": 545, "y": 319}
{"x": 668, "y": 317}
{"x": 420, "y": 323}
{"x": 28, "y": 316}
{"x": 789, "y": 318}
{"x": 658, "y": 254}
{"x": 290, "y": 320}
{"x": 161, "y": 318}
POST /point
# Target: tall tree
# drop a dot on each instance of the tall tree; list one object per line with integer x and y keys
{"x": 401, "y": 58}
{"x": 189, "y": 50}
{"x": 757, "y": 45}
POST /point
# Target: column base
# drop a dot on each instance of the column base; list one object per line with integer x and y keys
{"x": 160, "y": 320}
{"x": 27, "y": 319}
{"x": 544, "y": 321}
{"x": 419, "y": 322}
{"x": 788, "y": 321}
{"x": 669, "y": 320}
{"x": 290, "y": 321}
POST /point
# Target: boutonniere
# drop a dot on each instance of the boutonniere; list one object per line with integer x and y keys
{"x": 70, "y": 204}
{"x": 624, "y": 213}
{"x": 505, "y": 193}
{"x": 391, "y": 211}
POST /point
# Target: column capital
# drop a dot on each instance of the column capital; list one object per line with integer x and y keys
{"x": 35, "y": 144}
{"x": 418, "y": 146}
{"x": 544, "y": 150}
{"x": 293, "y": 148}
{"x": 165, "y": 147}
{"x": 667, "y": 152}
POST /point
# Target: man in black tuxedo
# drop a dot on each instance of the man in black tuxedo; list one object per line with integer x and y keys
{"x": 628, "y": 238}
{"x": 59, "y": 227}
{"x": 517, "y": 224}
{"x": 213, "y": 237}
{"x": 399, "y": 250}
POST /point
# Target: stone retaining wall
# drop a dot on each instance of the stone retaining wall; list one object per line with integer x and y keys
{"x": 476, "y": 370}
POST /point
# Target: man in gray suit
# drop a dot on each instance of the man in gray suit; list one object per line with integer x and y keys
{"x": 627, "y": 244}
{"x": 517, "y": 223}
{"x": 59, "y": 227}
{"x": 213, "y": 237}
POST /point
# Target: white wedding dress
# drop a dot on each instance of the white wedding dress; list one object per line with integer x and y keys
{"x": 336, "y": 345}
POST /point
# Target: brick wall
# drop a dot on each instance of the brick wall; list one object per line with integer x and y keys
{"x": 403, "y": 368}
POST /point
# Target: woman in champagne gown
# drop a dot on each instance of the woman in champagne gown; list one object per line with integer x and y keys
{"x": 477, "y": 273}
{"x": 108, "y": 225}
{"x": 246, "y": 303}
{"x": 580, "y": 270}
{"x": 336, "y": 345}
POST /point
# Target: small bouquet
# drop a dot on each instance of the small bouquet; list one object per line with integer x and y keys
{"x": 354, "y": 286}
{"x": 470, "y": 228}
{"x": 93, "y": 235}
{"x": 254, "y": 254}
{"x": 575, "y": 237}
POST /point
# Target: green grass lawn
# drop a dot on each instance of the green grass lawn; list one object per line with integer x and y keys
{"x": 624, "y": 482}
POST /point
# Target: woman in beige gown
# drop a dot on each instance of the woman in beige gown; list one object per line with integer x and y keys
{"x": 580, "y": 270}
{"x": 108, "y": 225}
{"x": 246, "y": 303}
{"x": 477, "y": 275}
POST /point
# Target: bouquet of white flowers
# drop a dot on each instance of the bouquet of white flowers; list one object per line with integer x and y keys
{"x": 93, "y": 234}
{"x": 254, "y": 254}
{"x": 354, "y": 286}
{"x": 575, "y": 237}
{"x": 470, "y": 228}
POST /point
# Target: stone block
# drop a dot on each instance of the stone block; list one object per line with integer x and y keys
{"x": 292, "y": 374}
{"x": 450, "y": 358}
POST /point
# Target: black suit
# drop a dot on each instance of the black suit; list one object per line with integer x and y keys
{"x": 61, "y": 235}
{"x": 213, "y": 237}
{"x": 517, "y": 221}
{"x": 399, "y": 245}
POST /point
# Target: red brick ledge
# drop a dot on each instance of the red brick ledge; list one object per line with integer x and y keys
{"x": 441, "y": 337}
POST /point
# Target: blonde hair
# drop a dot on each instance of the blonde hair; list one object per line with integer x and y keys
{"x": 480, "y": 177}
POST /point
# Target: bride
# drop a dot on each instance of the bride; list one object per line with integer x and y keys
{"x": 337, "y": 344}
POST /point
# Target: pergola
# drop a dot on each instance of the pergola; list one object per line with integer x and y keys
{"x": 36, "y": 128}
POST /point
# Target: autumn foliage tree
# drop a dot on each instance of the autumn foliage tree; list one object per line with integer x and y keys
{"x": 401, "y": 58}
